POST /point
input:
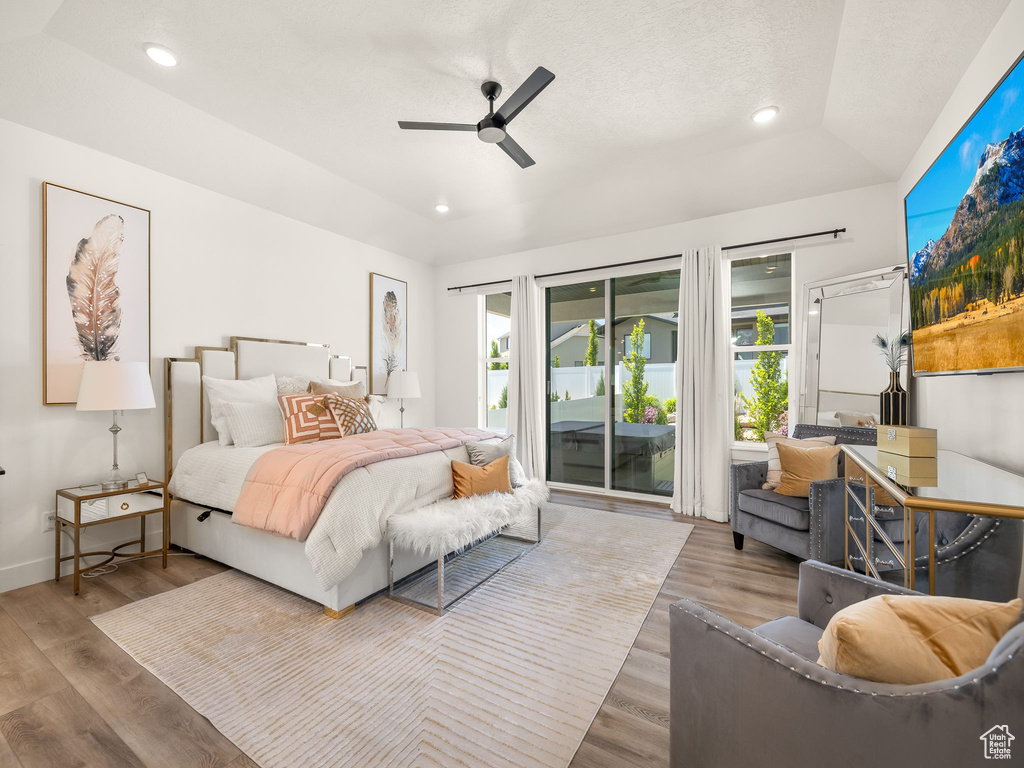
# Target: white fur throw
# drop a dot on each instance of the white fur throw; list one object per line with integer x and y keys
{"x": 450, "y": 524}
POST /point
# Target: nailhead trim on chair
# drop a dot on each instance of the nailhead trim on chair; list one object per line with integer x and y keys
{"x": 823, "y": 681}
{"x": 859, "y": 434}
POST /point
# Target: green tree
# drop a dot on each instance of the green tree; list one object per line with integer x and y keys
{"x": 556, "y": 364}
{"x": 503, "y": 397}
{"x": 590, "y": 356}
{"x": 771, "y": 387}
{"x": 495, "y": 353}
{"x": 634, "y": 395}
{"x": 567, "y": 398}
{"x": 599, "y": 388}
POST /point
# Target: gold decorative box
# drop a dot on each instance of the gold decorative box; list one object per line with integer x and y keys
{"x": 912, "y": 471}
{"x": 908, "y": 441}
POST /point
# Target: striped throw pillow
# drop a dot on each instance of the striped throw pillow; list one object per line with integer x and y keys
{"x": 307, "y": 419}
{"x": 352, "y": 414}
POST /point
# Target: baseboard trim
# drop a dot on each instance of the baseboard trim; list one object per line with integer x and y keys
{"x": 36, "y": 571}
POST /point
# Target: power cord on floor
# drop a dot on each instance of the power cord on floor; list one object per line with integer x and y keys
{"x": 111, "y": 567}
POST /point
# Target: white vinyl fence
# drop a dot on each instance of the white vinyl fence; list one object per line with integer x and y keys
{"x": 581, "y": 382}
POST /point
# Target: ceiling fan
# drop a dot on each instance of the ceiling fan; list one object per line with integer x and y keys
{"x": 492, "y": 128}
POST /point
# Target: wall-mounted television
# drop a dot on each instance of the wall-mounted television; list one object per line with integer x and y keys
{"x": 965, "y": 243}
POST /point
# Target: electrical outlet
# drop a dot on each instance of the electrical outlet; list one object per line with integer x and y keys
{"x": 49, "y": 520}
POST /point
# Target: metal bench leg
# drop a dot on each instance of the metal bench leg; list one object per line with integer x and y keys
{"x": 440, "y": 586}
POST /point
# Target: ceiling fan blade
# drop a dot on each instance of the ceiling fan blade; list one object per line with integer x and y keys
{"x": 525, "y": 93}
{"x": 516, "y": 152}
{"x": 436, "y": 126}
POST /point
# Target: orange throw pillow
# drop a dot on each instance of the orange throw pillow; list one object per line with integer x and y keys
{"x": 307, "y": 419}
{"x": 803, "y": 466}
{"x": 474, "y": 481}
{"x": 910, "y": 639}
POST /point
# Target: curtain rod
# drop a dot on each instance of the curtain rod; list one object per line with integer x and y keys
{"x": 834, "y": 232}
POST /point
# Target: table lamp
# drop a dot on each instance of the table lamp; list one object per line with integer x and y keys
{"x": 403, "y": 384}
{"x": 112, "y": 385}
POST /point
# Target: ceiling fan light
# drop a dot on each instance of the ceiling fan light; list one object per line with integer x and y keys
{"x": 442, "y": 208}
{"x": 161, "y": 55}
{"x": 491, "y": 134}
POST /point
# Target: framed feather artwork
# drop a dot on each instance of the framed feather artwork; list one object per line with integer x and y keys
{"x": 95, "y": 286}
{"x": 388, "y": 327}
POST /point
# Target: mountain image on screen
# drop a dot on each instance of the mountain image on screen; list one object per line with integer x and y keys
{"x": 967, "y": 277}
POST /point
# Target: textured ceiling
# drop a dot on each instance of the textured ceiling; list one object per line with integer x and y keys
{"x": 292, "y": 104}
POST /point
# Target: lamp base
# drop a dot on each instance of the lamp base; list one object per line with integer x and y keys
{"x": 114, "y": 485}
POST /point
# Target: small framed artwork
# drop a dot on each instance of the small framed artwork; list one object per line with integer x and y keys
{"x": 141, "y": 479}
{"x": 388, "y": 323}
{"x": 95, "y": 286}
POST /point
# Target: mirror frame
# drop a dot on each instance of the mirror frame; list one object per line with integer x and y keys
{"x": 814, "y": 294}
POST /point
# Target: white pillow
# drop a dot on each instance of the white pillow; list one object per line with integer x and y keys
{"x": 254, "y": 424}
{"x": 292, "y": 385}
{"x": 258, "y": 390}
{"x": 377, "y": 409}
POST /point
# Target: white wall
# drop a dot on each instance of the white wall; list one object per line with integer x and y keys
{"x": 982, "y": 416}
{"x": 871, "y": 214}
{"x": 220, "y": 267}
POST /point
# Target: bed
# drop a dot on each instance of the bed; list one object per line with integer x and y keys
{"x": 205, "y": 479}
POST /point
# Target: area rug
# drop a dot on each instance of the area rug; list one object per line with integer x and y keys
{"x": 512, "y": 676}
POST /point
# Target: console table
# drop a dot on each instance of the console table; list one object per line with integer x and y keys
{"x": 964, "y": 486}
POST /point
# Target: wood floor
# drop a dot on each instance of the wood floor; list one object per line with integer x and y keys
{"x": 70, "y": 697}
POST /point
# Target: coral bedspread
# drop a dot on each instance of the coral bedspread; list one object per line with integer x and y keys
{"x": 287, "y": 488}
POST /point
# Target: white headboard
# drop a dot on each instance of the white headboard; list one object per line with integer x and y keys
{"x": 186, "y": 407}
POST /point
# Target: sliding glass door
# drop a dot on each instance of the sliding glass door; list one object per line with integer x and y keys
{"x": 611, "y": 382}
{"x": 577, "y": 389}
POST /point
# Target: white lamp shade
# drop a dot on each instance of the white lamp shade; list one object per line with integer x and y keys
{"x": 112, "y": 385}
{"x": 403, "y": 384}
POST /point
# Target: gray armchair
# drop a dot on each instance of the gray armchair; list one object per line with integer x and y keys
{"x": 749, "y": 697}
{"x": 811, "y": 528}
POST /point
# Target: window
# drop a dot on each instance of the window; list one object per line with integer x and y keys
{"x": 497, "y": 327}
{"x": 762, "y": 293}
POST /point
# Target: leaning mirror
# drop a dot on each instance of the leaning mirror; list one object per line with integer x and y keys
{"x": 843, "y": 371}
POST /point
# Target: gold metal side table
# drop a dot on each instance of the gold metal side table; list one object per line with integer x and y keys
{"x": 965, "y": 486}
{"x": 87, "y": 506}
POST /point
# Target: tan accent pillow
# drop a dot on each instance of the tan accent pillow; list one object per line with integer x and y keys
{"x": 802, "y": 466}
{"x": 307, "y": 419}
{"x": 909, "y": 639}
{"x": 470, "y": 480}
{"x": 351, "y": 414}
{"x": 347, "y": 389}
{"x": 774, "y": 465}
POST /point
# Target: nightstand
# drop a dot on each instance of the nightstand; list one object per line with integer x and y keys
{"x": 87, "y": 506}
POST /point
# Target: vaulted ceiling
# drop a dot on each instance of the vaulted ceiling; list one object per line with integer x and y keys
{"x": 292, "y": 105}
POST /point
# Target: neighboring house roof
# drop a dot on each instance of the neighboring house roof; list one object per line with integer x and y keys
{"x": 749, "y": 312}
{"x": 583, "y": 329}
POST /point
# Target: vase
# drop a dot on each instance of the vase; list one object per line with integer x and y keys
{"x": 893, "y": 402}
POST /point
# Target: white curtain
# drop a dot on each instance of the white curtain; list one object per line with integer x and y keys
{"x": 704, "y": 388}
{"x": 526, "y": 375}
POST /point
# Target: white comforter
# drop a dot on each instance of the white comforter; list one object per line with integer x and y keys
{"x": 355, "y": 517}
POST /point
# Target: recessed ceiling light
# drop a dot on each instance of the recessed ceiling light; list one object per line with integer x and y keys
{"x": 593, "y": 289}
{"x": 161, "y": 55}
{"x": 442, "y": 208}
{"x": 765, "y": 114}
